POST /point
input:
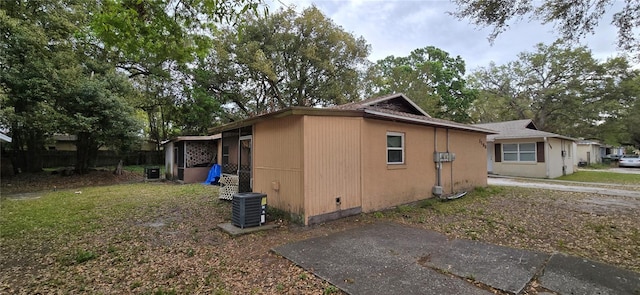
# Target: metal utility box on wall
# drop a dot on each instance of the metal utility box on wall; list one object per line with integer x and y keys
{"x": 152, "y": 172}
{"x": 248, "y": 209}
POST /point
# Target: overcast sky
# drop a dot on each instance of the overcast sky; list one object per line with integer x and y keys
{"x": 396, "y": 27}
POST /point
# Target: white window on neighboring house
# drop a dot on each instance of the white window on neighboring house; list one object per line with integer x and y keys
{"x": 519, "y": 152}
{"x": 395, "y": 148}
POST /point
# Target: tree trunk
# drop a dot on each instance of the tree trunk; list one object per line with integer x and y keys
{"x": 33, "y": 156}
{"x": 118, "y": 170}
{"x": 85, "y": 150}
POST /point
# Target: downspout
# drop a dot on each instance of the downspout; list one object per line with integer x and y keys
{"x": 563, "y": 154}
{"x": 546, "y": 157}
{"x": 438, "y": 164}
{"x": 451, "y": 162}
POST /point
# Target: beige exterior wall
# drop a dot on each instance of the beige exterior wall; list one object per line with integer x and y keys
{"x": 386, "y": 185}
{"x": 521, "y": 169}
{"x": 331, "y": 164}
{"x": 304, "y": 163}
{"x": 470, "y": 165}
{"x": 196, "y": 174}
{"x": 278, "y": 163}
{"x": 555, "y": 159}
{"x": 593, "y": 157}
{"x": 550, "y": 168}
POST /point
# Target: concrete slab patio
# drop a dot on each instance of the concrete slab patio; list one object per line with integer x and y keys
{"x": 389, "y": 258}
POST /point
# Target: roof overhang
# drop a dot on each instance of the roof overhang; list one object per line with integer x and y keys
{"x": 5, "y": 138}
{"x": 365, "y": 113}
{"x": 427, "y": 121}
{"x": 194, "y": 138}
{"x": 291, "y": 111}
{"x": 498, "y": 137}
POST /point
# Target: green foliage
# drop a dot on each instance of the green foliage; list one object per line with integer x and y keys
{"x": 97, "y": 113}
{"x": 330, "y": 290}
{"x": 484, "y": 192}
{"x": 63, "y": 213}
{"x": 57, "y": 82}
{"x": 562, "y": 89}
{"x": 572, "y": 19}
{"x": 602, "y": 177}
{"x": 430, "y": 77}
{"x": 82, "y": 256}
{"x": 145, "y": 34}
{"x": 34, "y": 69}
{"x": 281, "y": 60}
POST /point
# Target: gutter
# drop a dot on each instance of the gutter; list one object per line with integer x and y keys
{"x": 546, "y": 157}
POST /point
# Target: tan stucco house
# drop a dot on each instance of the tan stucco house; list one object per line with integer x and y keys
{"x": 588, "y": 152}
{"x": 321, "y": 164}
{"x": 520, "y": 149}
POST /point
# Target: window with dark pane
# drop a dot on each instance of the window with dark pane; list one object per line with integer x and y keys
{"x": 395, "y": 148}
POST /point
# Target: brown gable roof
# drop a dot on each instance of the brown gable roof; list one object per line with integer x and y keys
{"x": 394, "y": 102}
{"x": 381, "y": 108}
{"x": 381, "y": 113}
{"x": 517, "y": 129}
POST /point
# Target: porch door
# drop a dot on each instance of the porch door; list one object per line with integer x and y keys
{"x": 244, "y": 166}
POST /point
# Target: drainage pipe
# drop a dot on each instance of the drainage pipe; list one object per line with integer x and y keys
{"x": 450, "y": 161}
{"x": 438, "y": 163}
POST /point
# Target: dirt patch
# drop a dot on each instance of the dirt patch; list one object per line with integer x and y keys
{"x": 606, "y": 205}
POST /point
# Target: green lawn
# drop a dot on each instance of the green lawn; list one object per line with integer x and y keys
{"x": 69, "y": 212}
{"x": 142, "y": 238}
{"x": 602, "y": 177}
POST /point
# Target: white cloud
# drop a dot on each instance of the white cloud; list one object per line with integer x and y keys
{"x": 398, "y": 27}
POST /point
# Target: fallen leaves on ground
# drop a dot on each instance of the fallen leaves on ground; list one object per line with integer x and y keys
{"x": 172, "y": 245}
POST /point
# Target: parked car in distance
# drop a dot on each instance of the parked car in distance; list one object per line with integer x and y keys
{"x": 612, "y": 157}
{"x": 629, "y": 161}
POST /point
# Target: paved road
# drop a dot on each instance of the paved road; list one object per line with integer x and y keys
{"x": 568, "y": 186}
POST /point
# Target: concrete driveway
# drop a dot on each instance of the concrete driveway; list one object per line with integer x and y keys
{"x": 389, "y": 258}
{"x": 603, "y": 189}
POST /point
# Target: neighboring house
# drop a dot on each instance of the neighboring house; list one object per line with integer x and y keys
{"x": 67, "y": 142}
{"x": 320, "y": 164}
{"x": 588, "y": 152}
{"x": 520, "y": 149}
{"x": 611, "y": 150}
{"x": 4, "y": 138}
{"x": 189, "y": 158}
{"x": 6, "y": 166}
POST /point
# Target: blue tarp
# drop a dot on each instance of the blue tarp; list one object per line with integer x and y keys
{"x": 214, "y": 174}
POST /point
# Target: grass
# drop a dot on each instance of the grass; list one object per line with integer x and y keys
{"x": 63, "y": 213}
{"x": 602, "y": 177}
{"x": 101, "y": 238}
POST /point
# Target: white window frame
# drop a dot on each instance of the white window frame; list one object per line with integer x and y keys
{"x": 518, "y": 152}
{"x": 401, "y": 148}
